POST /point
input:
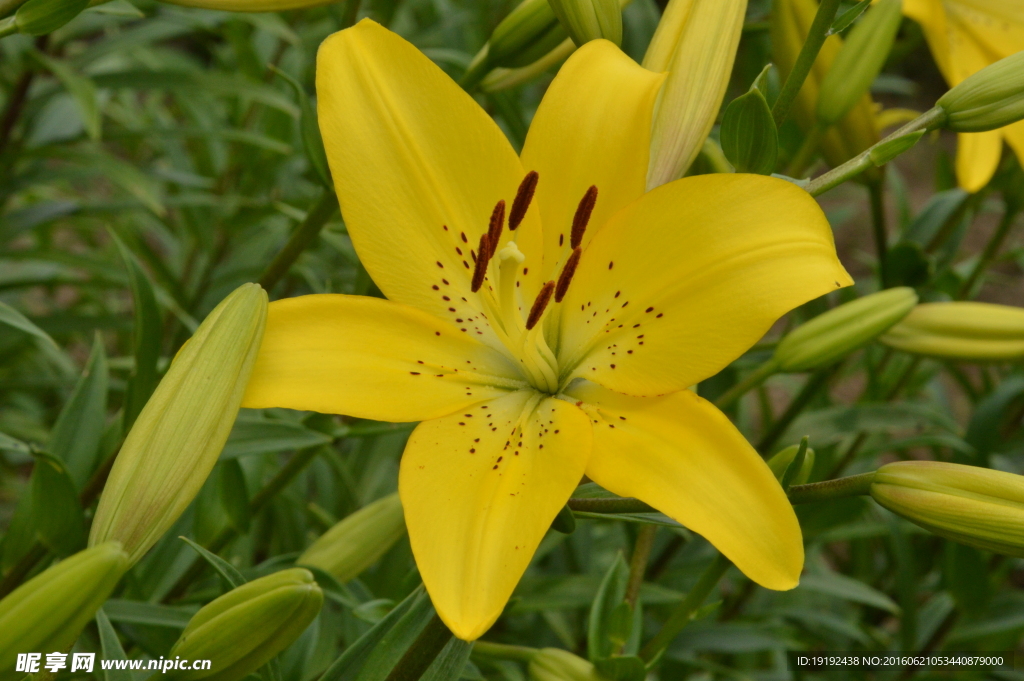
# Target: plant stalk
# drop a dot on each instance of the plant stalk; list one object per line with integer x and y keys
{"x": 988, "y": 255}
{"x": 879, "y": 229}
{"x": 638, "y": 562}
{"x": 685, "y": 611}
{"x": 862, "y": 161}
{"x": 748, "y": 382}
{"x": 306, "y": 233}
{"x": 840, "y": 488}
{"x": 805, "y": 60}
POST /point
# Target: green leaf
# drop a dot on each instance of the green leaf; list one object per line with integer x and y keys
{"x": 151, "y": 614}
{"x": 39, "y": 17}
{"x": 749, "y": 138}
{"x": 450, "y": 662}
{"x": 11, "y": 317}
{"x": 884, "y": 152}
{"x": 622, "y": 668}
{"x": 312, "y": 142}
{"x": 414, "y": 610}
{"x": 906, "y": 264}
{"x": 844, "y": 20}
{"x": 848, "y": 589}
{"x": 120, "y": 172}
{"x": 609, "y": 596}
{"x": 146, "y": 337}
{"x": 257, "y": 435}
{"x": 234, "y": 496}
{"x": 14, "y": 445}
{"x": 986, "y": 427}
{"x": 80, "y": 87}
{"x": 225, "y": 569}
{"x": 76, "y": 436}
{"x": 56, "y": 513}
{"x": 565, "y": 521}
{"x": 111, "y": 648}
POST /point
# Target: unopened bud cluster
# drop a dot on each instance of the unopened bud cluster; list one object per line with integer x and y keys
{"x": 961, "y": 330}
{"x": 358, "y": 541}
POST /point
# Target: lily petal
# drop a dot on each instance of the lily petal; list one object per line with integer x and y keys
{"x": 418, "y": 167}
{"x": 681, "y": 455}
{"x": 977, "y": 158}
{"x": 372, "y": 359}
{"x": 480, "y": 489}
{"x": 687, "y": 278}
{"x": 593, "y": 127}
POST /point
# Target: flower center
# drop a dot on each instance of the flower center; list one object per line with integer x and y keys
{"x": 496, "y": 280}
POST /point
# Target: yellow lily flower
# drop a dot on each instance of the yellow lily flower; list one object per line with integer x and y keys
{"x": 557, "y": 343}
{"x": 965, "y": 36}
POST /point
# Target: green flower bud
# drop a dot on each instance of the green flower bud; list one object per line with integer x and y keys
{"x": 181, "y": 431}
{"x": 46, "y": 613}
{"x": 246, "y": 627}
{"x": 358, "y": 541}
{"x": 859, "y": 61}
{"x": 838, "y": 332}
{"x": 781, "y": 460}
{"x": 587, "y": 20}
{"x": 961, "y": 330}
{"x": 971, "y": 505}
{"x": 528, "y": 33}
{"x": 39, "y": 17}
{"x": 987, "y": 99}
{"x": 554, "y": 664}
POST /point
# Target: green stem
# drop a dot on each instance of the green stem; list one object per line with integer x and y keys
{"x": 281, "y": 479}
{"x": 307, "y": 232}
{"x": 991, "y": 250}
{"x": 423, "y": 651}
{"x": 932, "y": 118}
{"x": 805, "y": 60}
{"x": 619, "y": 505}
{"x": 878, "y": 224}
{"x": 805, "y": 154}
{"x": 8, "y": 7}
{"x": 748, "y": 382}
{"x": 502, "y": 651}
{"x": 8, "y": 26}
{"x": 17, "y": 574}
{"x": 816, "y": 382}
{"x": 853, "y": 486}
{"x": 685, "y": 611}
{"x": 638, "y": 562}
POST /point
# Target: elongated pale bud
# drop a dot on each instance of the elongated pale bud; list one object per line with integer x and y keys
{"x": 529, "y": 32}
{"x": 961, "y": 330}
{"x": 46, "y": 613}
{"x": 781, "y": 460}
{"x": 501, "y": 78}
{"x": 246, "y": 627}
{"x": 834, "y": 334}
{"x": 790, "y": 22}
{"x": 555, "y": 664}
{"x": 968, "y": 504}
{"x": 181, "y": 431}
{"x": 358, "y": 541}
{"x": 696, "y": 43}
{"x": 987, "y": 99}
{"x": 587, "y": 20}
{"x": 859, "y": 61}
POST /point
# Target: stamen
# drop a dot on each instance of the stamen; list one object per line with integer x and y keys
{"x": 480, "y": 271}
{"x": 582, "y": 216}
{"x": 494, "y": 227}
{"x": 566, "y": 276}
{"x": 540, "y": 304}
{"x": 524, "y": 195}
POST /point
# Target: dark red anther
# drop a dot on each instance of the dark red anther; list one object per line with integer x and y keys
{"x": 524, "y": 195}
{"x": 540, "y": 304}
{"x": 495, "y": 225}
{"x": 582, "y": 217}
{"x": 480, "y": 270}
{"x": 566, "y": 276}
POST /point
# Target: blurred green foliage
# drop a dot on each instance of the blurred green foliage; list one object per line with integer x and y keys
{"x": 153, "y": 158}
